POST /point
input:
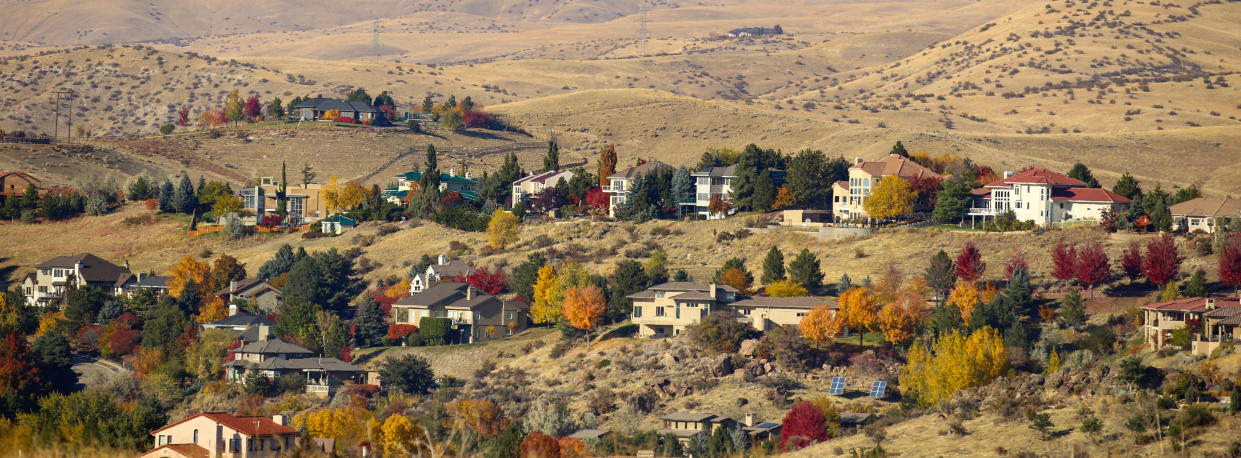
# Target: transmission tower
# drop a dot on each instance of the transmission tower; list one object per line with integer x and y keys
{"x": 375, "y": 39}
{"x": 56, "y": 124}
{"x": 642, "y": 37}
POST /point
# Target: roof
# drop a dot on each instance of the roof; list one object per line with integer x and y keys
{"x": 242, "y": 319}
{"x": 22, "y": 175}
{"x": 452, "y": 268}
{"x": 542, "y": 176}
{"x": 590, "y": 433}
{"x": 718, "y": 172}
{"x": 854, "y": 418}
{"x": 324, "y": 104}
{"x": 1192, "y": 304}
{"x": 273, "y": 346}
{"x": 313, "y": 363}
{"x": 894, "y": 165}
{"x": 446, "y": 294}
{"x": 640, "y": 170}
{"x": 445, "y": 177}
{"x": 688, "y": 416}
{"x": 805, "y": 302}
{"x": 186, "y": 450}
{"x": 693, "y": 296}
{"x": 247, "y": 287}
{"x": 842, "y": 184}
{"x": 689, "y": 286}
{"x": 1089, "y": 195}
{"x": 94, "y": 269}
{"x": 248, "y": 426}
{"x": 1038, "y": 176}
{"x": 342, "y": 219}
{"x": 1207, "y": 206}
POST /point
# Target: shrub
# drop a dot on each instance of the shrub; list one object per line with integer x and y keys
{"x": 291, "y": 383}
{"x": 719, "y": 332}
{"x": 409, "y": 373}
{"x": 166, "y": 129}
{"x": 400, "y": 331}
{"x": 803, "y": 425}
{"x": 346, "y": 120}
{"x": 434, "y": 331}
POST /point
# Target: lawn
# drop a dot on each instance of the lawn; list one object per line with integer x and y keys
{"x": 870, "y": 339}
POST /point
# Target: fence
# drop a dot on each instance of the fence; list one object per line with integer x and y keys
{"x": 204, "y": 231}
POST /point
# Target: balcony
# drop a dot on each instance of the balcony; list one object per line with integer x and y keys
{"x": 973, "y": 211}
{"x": 613, "y": 189}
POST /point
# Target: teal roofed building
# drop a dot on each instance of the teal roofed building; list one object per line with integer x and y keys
{"x": 449, "y": 181}
{"x": 337, "y": 223}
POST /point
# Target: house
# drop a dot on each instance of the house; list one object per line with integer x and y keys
{"x": 766, "y": 312}
{"x": 1210, "y": 321}
{"x": 443, "y": 269}
{"x": 759, "y": 431}
{"x": 805, "y": 218}
{"x": 712, "y": 182}
{"x": 849, "y": 196}
{"x": 50, "y": 281}
{"x": 217, "y": 434}
{"x": 265, "y": 296}
{"x": 618, "y": 187}
{"x": 528, "y": 186}
{"x": 128, "y": 284}
{"x": 476, "y": 316}
{"x": 15, "y": 183}
{"x": 591, "y": 434}
{"x": 450, "y": 181}
{"x": 275, "y": 358}
{"x": 685, "y": 425}
{"x": 304, "y": 204}
{"x": 755, "y": 31}
{"x": 665, "y": 310}
{"x": 239, "y": 322}
{"x": 314, "y": 109}
{"x": 1202, "y": 213}
{"x": 262, "y": 349}
{"x": 1045, "y": 197}
{"x": 336, "y": 224}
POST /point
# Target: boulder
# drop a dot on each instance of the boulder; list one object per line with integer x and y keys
{"x": 721, "y": 365}
{"x": 748, "y": 347}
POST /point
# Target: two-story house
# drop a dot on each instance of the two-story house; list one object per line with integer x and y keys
{"x": 131, "y": 283}
{"x": 526, "y": 187}
{"x": 476, "y": 316}
{"x": 274, "y": 358}
{"x": 443, "y": 269}
{"x": 450, "y": 181}
{"x": 48, "y": 284}
{"x": 265, "y": 296}
{"x": 1209, "y": 320}
{"x": 304, "y": 204}
{"x": 1204, "y": 213}
{"x": 711, "y": 182}
{"x": 223, "y": 435}
{"x": 1045, "y": 197}
{"x": 15, "y": 183}
{"x": 849, "y": 196}
{"x": 618, "y": 183}
{"x": 264, "y": 348}
{"x": 685, "y": 425}
{"x": 665, "y": 310}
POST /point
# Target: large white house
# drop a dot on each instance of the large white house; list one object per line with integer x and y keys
{"x": 712, "y": 182}
{"x": 618, "y": 187}
{"x": 1045, "y": 197}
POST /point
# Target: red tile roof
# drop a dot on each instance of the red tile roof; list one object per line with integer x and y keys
{"x": 1037, "y": 176}
{"x": 894, "y": 164}
{"x": 186, "y": 450}
{"x": 248, "y": 426}
{"x": 1193, "y": 304}
{"x": 843, "y": 184}
{"x": 1089, "y": 195}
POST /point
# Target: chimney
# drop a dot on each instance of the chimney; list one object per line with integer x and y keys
{"x": 442, "y": 260}
{"x": 452, "y": 172}
{"x": 469, "y": 293}
{"x": 140, "y": 276}
{"x": 1210, "y": 304}
{"x": 264, "y": 332}
{"x": 232, "y": 309}
{"x": 712, "y": 290}
{"x": 749, "y": 419}
{"x": 126, "y": 264}
{"x": 1008, "y": 174}
{"x": 857, "y": 160}
{"x": 279, "y": 419}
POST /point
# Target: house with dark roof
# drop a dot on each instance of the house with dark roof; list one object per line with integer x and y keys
{"x": 849, "y": 197}
{"x": 618, "y": 187}
{"x": 48, "y": 284}
{"x": 337, "y": 224}
{"x": 666, "y": 309}
{"x": 1045, "y": 197}
{"x": 450, "y": 181}
{"x": 767, "y": 312}
{"x": 129, "y": 284}
{"x": 1204, "y": 213}
{"x": 218, "y": 434}
{"x": 314, "y": 109}
{"x": 275, "y": 358}
{"x": 526, "y": 187}
{"x": 263, "y": 295}
{"x": 685, "y": 425}
{"x": 443, "y": 269}
{"x": 475, "y": 315}
{"x": 1213, "y": 320}
{"x": 239, "y": 322}
{"x": 713, "y": 182}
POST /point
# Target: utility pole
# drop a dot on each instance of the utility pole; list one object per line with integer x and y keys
{"x": 375, "y": 39}
{"x": 642, "y": 37}
{"x": 56, "y": 124}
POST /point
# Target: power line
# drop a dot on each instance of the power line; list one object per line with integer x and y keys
{"x": 642, "y": 36}
{"x": 375, "y": 39}
{"x": 56, "y": 123}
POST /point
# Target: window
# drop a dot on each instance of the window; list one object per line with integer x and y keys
{"x": 637, "y": 311}
{"x": 42, "y": 289}
{"x": 195, "y": 436}
{"x": 510, "y": 316}
{"x": 659, "y": 311}
{"x": 801, "y": 314}
{"x": 678, "y": 310}
{"x": 659, "y": 294}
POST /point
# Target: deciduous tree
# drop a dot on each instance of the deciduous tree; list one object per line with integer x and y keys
{"x": 584, "y": 307}
{"x": 802, "y": 426}
{"x": 786, "y": 288}
{"x": 1131, "y": 262}
{"x": 503, "y": 230}
{"x": 969, "y": 265}
{"x": 821, "y": 325}
{"x": 737, "y": 278}
{"x": 955, "y": 362}
{"x": 543, "y": 310}
{"x": 186, "y": 271}
{"x": 539, "y": 445}
{"x": 1092, "y": 266}
{"x": 253, "y": 108}
{"x": 607, "y": 165}
{"x": 1230, "y": 263}
{"x": 859, "y": 310}
{"x": 1064, "y": 261}
{"x": 1162, "y": 261}
{"x": 784, "y": 198}
{"x": 891, "y": 198}
{"x": 1018, "y": 260}
{"x": 964, "y": 297}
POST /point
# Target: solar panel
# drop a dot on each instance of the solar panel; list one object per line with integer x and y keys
{"x": 838, "y": 386}
{"x": 877, "y": 390}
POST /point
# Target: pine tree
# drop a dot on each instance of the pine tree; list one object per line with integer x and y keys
{"x": 952, "y": 201}
{"x": 806, "y": 176}
{"x": 844, "y": 284}
{"x": 184, "y": 199}
{"x": 282, "y": 192}
{"x": 1197, "y": 285}
{"x": 1018, "y": 293}
{"x": 682, "y": 185}
{"x": 899, "y": 149}
{"x": 773, "y": 266}
{"x": 939, "y": 273}
{"x": 551, "y": 162}
{"x": 1081, "y": 172}
{"x": 368, "y": 322}
{"x": 165, "y": 198}
{"x": 804, "y": 269}
{"x": 1072, "y": 309}
{"x": 1127, "y": 186}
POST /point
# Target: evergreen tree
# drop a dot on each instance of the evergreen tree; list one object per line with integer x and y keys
{"x": 1127, "y": 186}
{"x": 369, "y": 322}
{"x": 1072, "y": 309}
{"x": 551, "y": 162}
{"x": 809, "y": 178}
{"x": 773, "y": 266}
{"x": 427, "y": 104}
{"x": 681, "y": 275}
{"x": 165, "y": 198}
{"x": 844, "y": 284}
{"x": 939, "y": 273}
{"x": 282, "y": 192}
{"x": 1081, "y": 172}
{"x": 1196, "y": 286}
{"x": 54, "y": 358}
{"x": 804, "y": 269}
{"x": 952, "y": 202}
{"x": 751, "y": 164}
{"x": 525, "y": 275}
{"x": 278, "y": 264}
{"x": 899, "y": 149}
{"x": 428, "y": 201}
{"x": 630, "y": 277}
{"x": 764, "y": 192}
{"x": 682, "y": 185}
{"x": 1018, "y": 293}
{"x": 165, "y": 326}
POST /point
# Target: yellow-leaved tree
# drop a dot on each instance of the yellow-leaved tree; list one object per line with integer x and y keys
{"x": 737, "y": 278}
{"x": 955, "y": 362}
{"x": 502, "y": 230}
{"x": 331, "y": 194}
{"x": 212, "y": 311}
{"x": 965, "y": 297}
{"x": 784, "y": 198}
{"x": 348, "y": 425}
{"x": 543, "y": 310}
{"x": 185, "y": 271}
{"x": 891, "y": 198}
{"x": 481, "y": 416}
{"x": 859, "y": 310}
{"x": 820, "y": 325}
{"x": 786, "y": 288}
{"x": 403, "y": 438}
{"x": 352, "y": 196}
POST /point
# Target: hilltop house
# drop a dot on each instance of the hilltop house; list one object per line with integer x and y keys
{"x": 275, "y": 358}
{"x": 1045, "y": 197}
{"x": 15, "y": 183}
{"x": 304, "y": 204}
{"x": 131, "y": 283}
{"x": 449, "y": 182}
{"x": 443, "y": 269}
{"x": 1202, "y": 213}
{"x": 54, "y": 277}
{"x": 712, "y": 182}
{"x": 217, "y": 434}
{"x": 239, "y": 322}
{"x": 666, "y": 309}
{"x": 685, "y": 425}
{"x": 528, "y": 186}
{"x": 1210, "y": 321}
{"x": 265, "y": 296}
{"x": 475, "y": 315}
{"x": 755, "y": 31}
{"x": 618, "y": 189}
{"x": 849, "y": 197}
{"x": 314, "y": 109}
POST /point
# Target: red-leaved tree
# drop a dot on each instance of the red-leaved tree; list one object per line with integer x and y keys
{"x": 1063, "y": 260}
{"x": 1162, "y": 261}
{"x": 1230, "y": 263}
{"x": 597, "y": 198}
{"x": 803, "y": 425}
{"x": 253, "y": 108}
{"x": 1092, "y": 266}
{"x": 539, "y": 445}
{"x": 485, "y": 280}
{"x": 21, "y": 384}
{"x": 183, "y": 116}
{"x": 969, "y": 266}
{"x": 1131, "y": 262}
{"x": 1018, "y": 260}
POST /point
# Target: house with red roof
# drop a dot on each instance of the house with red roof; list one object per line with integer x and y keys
{"x": 1210, "y": 321}
{"x": 223, "y": 435}
{"x": 849, "y": 197}
{"x": 1043, "y": 196}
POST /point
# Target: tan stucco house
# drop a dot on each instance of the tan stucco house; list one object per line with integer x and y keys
{"x": 223, "y": 435}
{"x": 476, "y": 315}
{"x": 1203, "y": 213}
{"x": 48, "y": 284}
{"x": 849, "y": 196}
{"x": 1212, "y": 321}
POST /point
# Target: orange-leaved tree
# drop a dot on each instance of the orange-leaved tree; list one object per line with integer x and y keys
{"x": 607, "y": 165}
{"x": 820, "y": 325}
{"x": 186, "y": 271}
{"x": 964, "y": 296}
{"x": 900, "y": 319}
{"x": 481, "y": 416}
{"x": 583, "y": 307}
{"x": 736, "y": 278}
{"x": 859, "y": 309}
{"x": 784, "y": 198}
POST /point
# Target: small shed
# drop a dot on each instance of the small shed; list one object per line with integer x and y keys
{"x": 336, "y": 224}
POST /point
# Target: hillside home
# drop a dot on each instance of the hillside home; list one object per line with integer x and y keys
{"x": 759, "y": 431}
{"x": 766, "y": 312}
{"x": 665, "y": 310}
{"x": 1203, "y": 213}
{"x": 275, "y": 358}
{"x": 526, "y": 187}
{"x": 337, "y": 224}
{"x": 15, "y": 183}
{"x": 304, "y": 204}
{"x": 239, "y": 322}
{"x": 265, "y": 296}
{"x": 1210, "y": 321}
{"x": 849, "y": 196}
{"x": 1045, "y": 197}
{"x": 48, "y": 284}
{"x": 443, "y": 269}
{"x": 618, "y": 187}
{"x": 476, "y": 316}
{"x": 131, "y": 283}
{"x": 713, "y": 182}
{"x": 685, "y": 425}
{"x": 450, "y": 181}
{"x": 222, "y": 435}
{"x": 313, "y": 109}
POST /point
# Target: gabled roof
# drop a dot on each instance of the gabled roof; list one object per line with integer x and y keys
{"x": 639, "y": 170}
{"x": 324, "y": 104}
{"x": 590, "y": 433}
{"x": 1038, "y": 176}
{"x": 688, "y": 416}
{"x": 452, "y": 268}
{"x": 445, "y": 177}
{"x": 1192, "y": 304}
{"x": 1089, "y": 195}
{"x": 342, "y": 219}
{"x": 542, "y": 177}
{"x": 22, "y": 175}
{"x": 804, "y": 303}
{"x": 186, "y": 450}
{"x": 446, "y": 294}
{"x": 242, "y": 319}
{"x": 94, "y": 269}
{"x": 842, "y": 184}
{"x": 273, "y": 347}
{"x": 717, "y": 172}
{"x": 894, "y": 165}
{"x": 247, "y": 426}
{"x": 1207, "y": 206}
{"x": 304, "y": 364}
{"x": 248, "y": 287}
